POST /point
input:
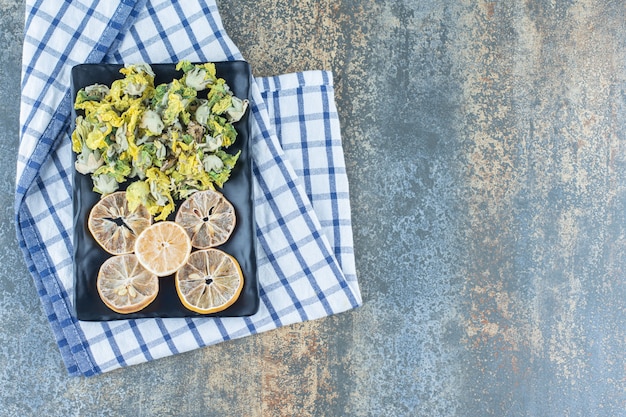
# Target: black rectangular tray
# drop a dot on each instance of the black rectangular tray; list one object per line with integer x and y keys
{"x": 89, "y": 256}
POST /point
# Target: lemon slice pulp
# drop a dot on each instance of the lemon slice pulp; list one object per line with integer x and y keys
{"x": 208, "y": 218}
{"x": 114, "y": 227}
{"x": 163, "y": 248}
{"x": 125, "y": 286}
{"x": 209, "y": 282}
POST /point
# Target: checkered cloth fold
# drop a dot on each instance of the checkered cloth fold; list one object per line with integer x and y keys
{"x": 305, "y": 252}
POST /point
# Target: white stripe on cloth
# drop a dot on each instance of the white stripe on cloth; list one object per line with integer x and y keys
{"x": 305, "y": 252}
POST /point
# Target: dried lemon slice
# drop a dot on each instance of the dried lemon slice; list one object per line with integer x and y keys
{"x": 114, "y": 226}
{"x": 208, "y": 217}
{"x": 125, "y": 286}
{"x": 209, "y": 282}
{"x": 163, "y": 248}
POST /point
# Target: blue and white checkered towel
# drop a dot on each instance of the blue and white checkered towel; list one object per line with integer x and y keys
{"x": 305, "y": 251}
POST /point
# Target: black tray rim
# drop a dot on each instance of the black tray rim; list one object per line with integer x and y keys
{"x": 91, "y": 308}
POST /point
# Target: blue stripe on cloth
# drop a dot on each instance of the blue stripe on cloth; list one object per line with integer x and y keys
{"x": 194, "y": 331}
{"x": 276, "y": 109}
{"x": 42, "y": 150}
{"x": 250, "y": 325}
{"x": 62, "y": 235}
{"x": 77, "y": 358}
{"x": 31, "y": 12}
{"x": 73, "y": 350}
{"x": 304, "y": 135}
{"x": 116, "y": 350}
{"x": 268, "y": 306}
{"x": 331, "y": 166}
{"x": 41, "y": 45}
{"x": 140, "y": 339}
{"x": 281, "y": 275}
{"x": 305, "y": 215}
{"x": 141, "y": 47}
{"x": 161, "y": 32}
{"x": 122, "y": 29}
{"x": 326, "y": 148}
{"x": 63, "y": 58}
{"x": 216, "y": 27}
{"x": 184, "y": 22}
{"x": 220, "y": 326}
{"x": 166, "y": 336}
{"x": 275, "y": 208}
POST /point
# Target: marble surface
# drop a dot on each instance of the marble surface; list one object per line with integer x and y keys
{"x": 486, "y": 149}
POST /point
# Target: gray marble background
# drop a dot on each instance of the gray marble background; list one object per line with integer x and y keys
{"x": 485, "y": 143}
